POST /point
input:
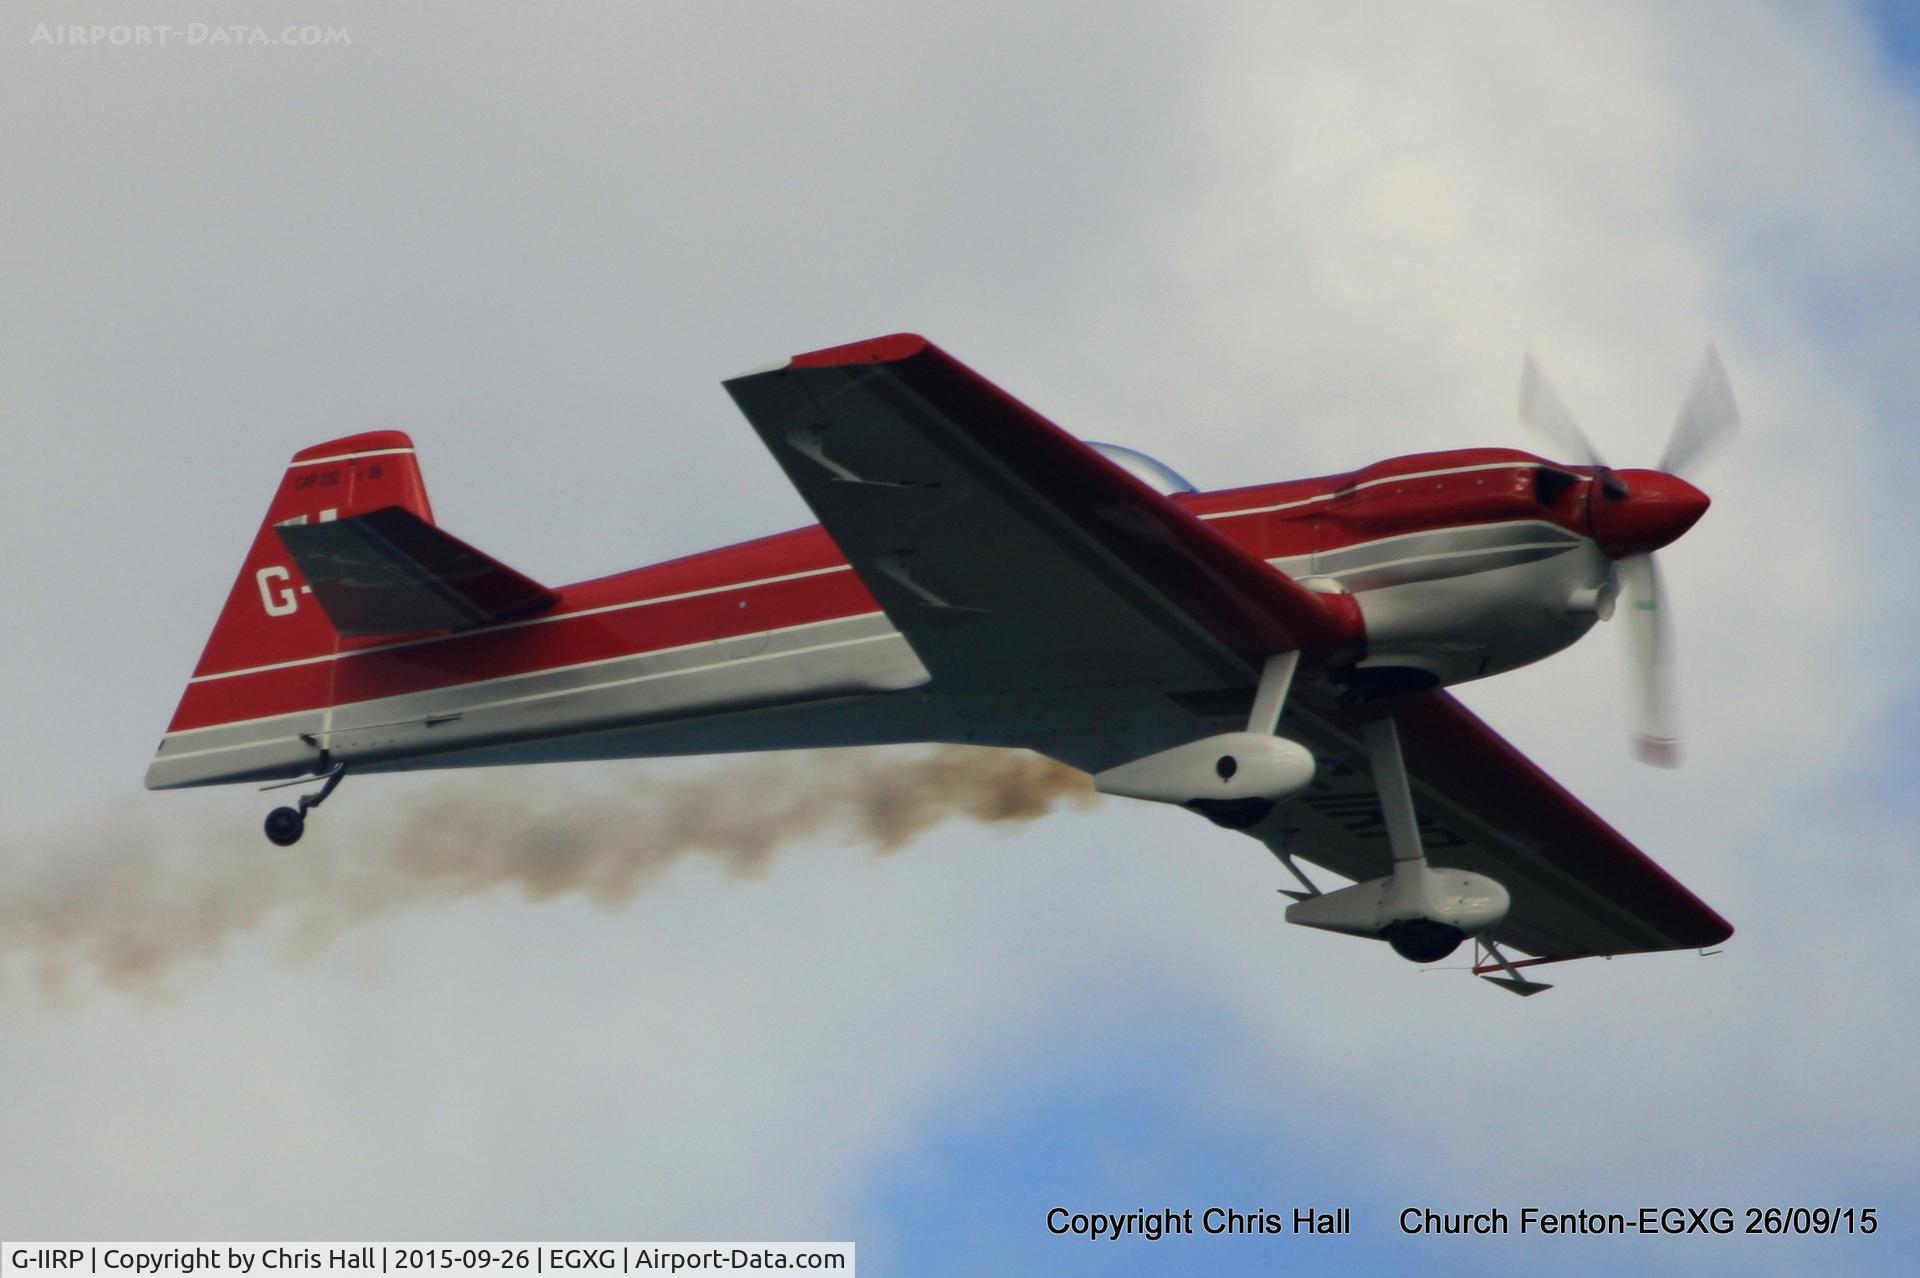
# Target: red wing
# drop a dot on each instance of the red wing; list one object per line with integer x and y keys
{"x": 1009, "y": 553}
{"x": 1579, "y": 887}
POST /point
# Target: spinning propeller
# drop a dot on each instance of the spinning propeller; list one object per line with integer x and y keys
{"x": 1633, "y": 513}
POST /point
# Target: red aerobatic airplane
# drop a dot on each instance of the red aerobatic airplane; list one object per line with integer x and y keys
{"x": 981, "y": 576}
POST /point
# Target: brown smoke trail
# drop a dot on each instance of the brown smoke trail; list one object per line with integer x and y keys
{"x": 118, "y": 908}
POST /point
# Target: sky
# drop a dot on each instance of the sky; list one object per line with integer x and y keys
{"x": 1258, "y": 241}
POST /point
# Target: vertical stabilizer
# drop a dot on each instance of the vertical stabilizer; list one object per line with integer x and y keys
{"x": 270, "y": 654}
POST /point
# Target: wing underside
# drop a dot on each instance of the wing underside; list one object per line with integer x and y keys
{"x": 1579, "y": 887}
{"x": 1010, "y": 554}
{"x": 1018, "y": 562}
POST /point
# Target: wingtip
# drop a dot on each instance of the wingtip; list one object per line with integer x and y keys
{"x": 873, "y": 350}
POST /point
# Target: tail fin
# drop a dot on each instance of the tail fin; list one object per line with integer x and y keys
{"x": 271, "y": 623}
{"x": 270, "y": 615}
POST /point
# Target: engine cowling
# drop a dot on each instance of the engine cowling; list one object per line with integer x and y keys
{"x": 1235, "y": 779}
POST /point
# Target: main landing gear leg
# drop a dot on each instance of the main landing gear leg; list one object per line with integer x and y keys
{"x": 1421, "y": 940}
{"x": 286, "y": 825}
{"x": 1270, "y": 698}
{"x": 1423, "y": 913}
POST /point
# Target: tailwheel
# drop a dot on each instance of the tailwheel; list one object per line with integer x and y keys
{"x": 285, "y": 826}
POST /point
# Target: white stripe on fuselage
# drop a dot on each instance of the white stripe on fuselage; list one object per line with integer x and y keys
{"x": 543, "y": 670}
{"x": 1371, "y": 483}
{"x": 1293, "y": 565}
{"x": 461, "y": 708}
{"x": 516, "y": 625}
{"x": 767, "y": 581}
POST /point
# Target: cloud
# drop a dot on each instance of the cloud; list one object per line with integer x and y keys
{"x": 1401, "y": 204}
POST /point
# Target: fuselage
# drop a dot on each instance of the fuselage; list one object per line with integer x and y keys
{"x": 1462, "y": 564}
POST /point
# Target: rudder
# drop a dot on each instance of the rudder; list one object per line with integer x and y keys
{"x": 269, "y": 653}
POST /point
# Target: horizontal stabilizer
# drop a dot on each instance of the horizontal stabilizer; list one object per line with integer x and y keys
{"x": 391, "y": 572}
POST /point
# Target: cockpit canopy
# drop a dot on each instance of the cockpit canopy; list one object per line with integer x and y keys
{"x": 1155, "y": 474}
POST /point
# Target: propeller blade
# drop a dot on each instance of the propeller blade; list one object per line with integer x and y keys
{"x": 1650, "y": 652}
{"x": 1707, "y": 416}
{"x": 1542, "y": 413}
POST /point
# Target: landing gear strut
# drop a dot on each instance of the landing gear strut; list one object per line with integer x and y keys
{"x": 1416, "y": 938}
{"x": 286, "y": 825}
{"x": 1234, "y": 779}
{"x": 1422, "y": 912}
